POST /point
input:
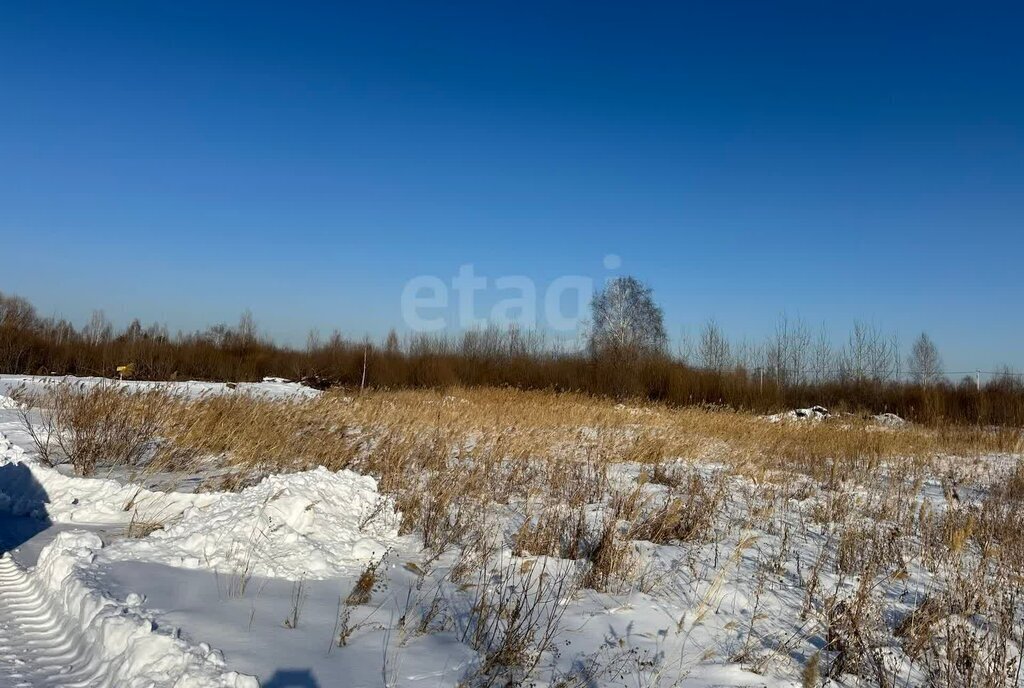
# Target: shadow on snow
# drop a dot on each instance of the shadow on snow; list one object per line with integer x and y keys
{"x": 292, "y": 678}
{"x": 22, "y": 506}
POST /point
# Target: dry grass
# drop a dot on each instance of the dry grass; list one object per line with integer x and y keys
{"x": 114, "y": 423}
{"x": 362, "y": 591}
{"x": 334, "y": 429}
{"x": 138, "y": 528}
{"x": 701, "y": 478}
{"x": 84, "y": 425}
{"x": 514, "y": 620}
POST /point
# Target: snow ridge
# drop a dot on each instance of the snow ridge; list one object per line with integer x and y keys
{"x": 57, "y": 629}
{"x": 314, "y": 525}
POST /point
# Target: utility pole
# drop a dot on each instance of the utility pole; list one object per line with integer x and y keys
{"x": 362, "y": 383}
{"x": 977, "y": 379}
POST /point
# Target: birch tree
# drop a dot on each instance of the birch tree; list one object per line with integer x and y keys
{"x": 924, "y": 362}
{"x": 626, "y": 320}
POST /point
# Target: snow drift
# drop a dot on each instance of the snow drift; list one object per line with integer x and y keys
{"x": 314, "y": 524}
{"x": 125, "y": 644}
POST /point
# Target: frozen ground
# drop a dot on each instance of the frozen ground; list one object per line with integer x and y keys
{"x": 266, "y": 584}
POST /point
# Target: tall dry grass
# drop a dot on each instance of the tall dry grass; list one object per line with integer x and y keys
{"x": 704, "y": 481}
{"x": 387, "y": 432}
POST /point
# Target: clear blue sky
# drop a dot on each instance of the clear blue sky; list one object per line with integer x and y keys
{"x": 183, "y": 161}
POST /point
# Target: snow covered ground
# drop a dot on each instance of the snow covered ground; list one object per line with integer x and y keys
{"x": 270, "y": 388}
{"x": 306, "y": 579}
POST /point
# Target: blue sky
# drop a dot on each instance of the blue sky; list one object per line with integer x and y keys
{"x": 181, "y": 162}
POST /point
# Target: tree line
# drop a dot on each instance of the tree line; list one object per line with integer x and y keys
{"x": 627, "y": 355}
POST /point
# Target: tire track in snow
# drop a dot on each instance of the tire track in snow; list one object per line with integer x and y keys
{"x": 39, "y": 645}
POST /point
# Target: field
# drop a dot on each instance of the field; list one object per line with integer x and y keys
{"x": 493, "y": 537}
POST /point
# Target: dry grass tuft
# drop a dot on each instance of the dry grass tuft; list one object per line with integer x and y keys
{"x": 84, "y": 425}
{"x": 610, "y": 560}
{"x": 362, "y": 591}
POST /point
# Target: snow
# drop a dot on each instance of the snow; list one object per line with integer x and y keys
{"x": 324, "y": 528}
{"x": 269, "y": 388}
{"x": 59, "y": 604}
{"x": 230, "y": 568}
{"x": 312, "y": 525}
{"x": 819, "y": 413}
{"x": 8, "y": 403}
{"x": 250, "y": 628}
{"x": 129, "y": 647}
{"x": 889, "y": 420}
{"x": 813, "y": 414}
{"x": 38, "y": 491}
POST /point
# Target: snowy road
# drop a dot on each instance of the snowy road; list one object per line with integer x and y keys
{"x": 38, "y": 647}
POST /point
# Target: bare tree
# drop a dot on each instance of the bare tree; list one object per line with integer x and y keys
{"x": 626, "y": 320}
{"x": 248, "y": 333}
{"x": 713, "y": 350}
{"x": 133, "y": 332}
{"x": 823, "y": 356}
{"x": 924, "y": 362}
{"x": 336, "y": 342}
{"x": 685, "y": 348}
{"x": 787, "y": 353}
{"x": 747, "y": 355}
{"x": 1007, "y": 380}
{"x": 869, "y": 355}
{"x": 313, "y": 341}
{"x": 98, "y": 329}
{"x": 16, "y": 316}
{"x": 16, "y": 311}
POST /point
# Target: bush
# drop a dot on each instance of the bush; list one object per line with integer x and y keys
{"x": 86, "y": 425}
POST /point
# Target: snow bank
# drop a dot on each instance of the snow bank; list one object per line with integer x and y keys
{"x": 314, "y": 524}
{"x": 133, "y": 652}
{"x": 276, "y": 388}
{"x": 819, "y": 413}
{"x": 890, "y": 420}
{"x": 813, "y": 413}
{"x": 29, "y": 489}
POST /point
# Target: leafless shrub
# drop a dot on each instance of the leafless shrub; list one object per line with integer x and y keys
{"x": 983, "y": 651}
{"x": 917, "y": 628}
{"x": 746, "y": 652}
{"x": 514, "y": 618}
{"x": 87, "y": 424}
{"x": 682, "y": 518}
{"x": 141, "y": 527}
{"x": 362, "y": 591}
{"x": 558, "y": 530}
{"x": 627, "y": 505}
{"x": 812, "y": 583}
